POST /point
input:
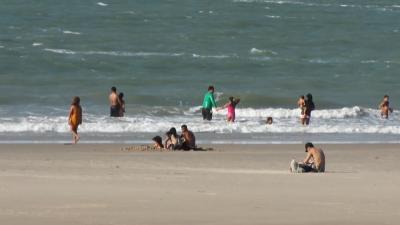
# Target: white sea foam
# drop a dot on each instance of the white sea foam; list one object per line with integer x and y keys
{"x": 354, "y": 120}
{"x": 257, "y": 51}
{"x": 37, "y": 44}
{"x": 71, "y": 32}
{"x": 213, "y": 56}
{"x": 102, "y": 4}
{"x": 60, "y": 51}
{"x": 113, "y": 53}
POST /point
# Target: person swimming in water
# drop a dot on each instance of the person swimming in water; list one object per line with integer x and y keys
{"x": 269, "y": 120}
{"x": 385, "y": 108}
{"x": 75, "y": 118}
{"x": 231, "y": 106}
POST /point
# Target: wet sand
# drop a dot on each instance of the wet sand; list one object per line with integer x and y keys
{"x": 234, "y": 184}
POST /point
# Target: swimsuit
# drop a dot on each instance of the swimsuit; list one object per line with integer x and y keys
{"x": 231, "y": 112}
{"x": 114, "y": 111}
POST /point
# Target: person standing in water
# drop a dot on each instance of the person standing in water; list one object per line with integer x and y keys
{"x": 75, "y": 118}
{"x": 302, "y": 105}
{"x": 122, "y": 104}
{"x": 310, "y": 106}
{"x": 208, "y": 104}
{"x": 385, "y": 108}
{"x": 231, "y": 106}
{"x": 115, "y": 103}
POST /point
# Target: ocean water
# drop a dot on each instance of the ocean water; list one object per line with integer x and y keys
{"x": 164, "y": 54}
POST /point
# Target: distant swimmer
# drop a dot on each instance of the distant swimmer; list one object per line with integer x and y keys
{"x": 122, "y": 104}
{"x": 314, "y": 161}
{"x": 115, "y": 103}
{"x": 302, "y": 105}
{"x": 385, "y": 108}
{"x": 269, "y": 120}
{"x": 309, "y": 107}
{"x": 208, "y": 104}
{"x": 75, "y": 118}
{"x": 231, "y": 106}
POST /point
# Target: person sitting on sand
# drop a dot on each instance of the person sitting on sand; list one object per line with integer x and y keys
{"x": 302, "y": 105}
{"x": 385, "y": 108}
{"x": 188, "y": 139}
{"x": 314, "y": 161}
{"x": 122, "y": 104}
{"x": 157, "y": 142}
{"x": 75, "y": 118}
{"x": 114, "y": 103}
{"x": 172, "y": 139}
{"x": 231, "y": 106}
{"x": 269, "y": 120}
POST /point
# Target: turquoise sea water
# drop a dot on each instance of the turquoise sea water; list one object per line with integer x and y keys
{"x": 164, "y": 54}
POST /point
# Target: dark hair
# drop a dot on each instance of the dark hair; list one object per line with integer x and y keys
{"x": 158, "y": 140}
{"x": 386, "y": 96}
{"x": 309, "y": 97}
{"x": 184, "y": 126}
{"x": 308, "y": 145}
{"x": 121, "y": 95}
{"x": 302, "y": 96}
{"x": 113, "y": 89}
{"x": 173, "y": 131}
{"x": 231, "y": 99}
{"x": 76, "y": 100}
{"x": 269, "y": 119}
{"x": 210, "y": 88}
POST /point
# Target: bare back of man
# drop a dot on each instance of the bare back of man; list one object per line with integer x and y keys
{"x": 114, "y": 103}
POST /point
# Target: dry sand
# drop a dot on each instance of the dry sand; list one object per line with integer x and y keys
{"x": 48, "y": 184}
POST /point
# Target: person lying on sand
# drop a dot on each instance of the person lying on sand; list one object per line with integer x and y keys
{"x": 157, "y": 142}
{"x": 314, "y": 161}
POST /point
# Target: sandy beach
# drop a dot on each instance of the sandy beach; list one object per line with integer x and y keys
{"x": 234, "y": 184}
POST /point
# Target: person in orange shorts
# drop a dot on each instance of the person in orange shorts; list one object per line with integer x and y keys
{"x": 75, "y": 118}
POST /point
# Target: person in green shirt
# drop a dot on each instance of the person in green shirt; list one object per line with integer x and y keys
{"x": 208, "y": 104}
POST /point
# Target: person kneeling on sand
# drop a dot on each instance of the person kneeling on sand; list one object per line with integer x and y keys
{"x": 314, "y": 161}
{"x": 188, "y": 139}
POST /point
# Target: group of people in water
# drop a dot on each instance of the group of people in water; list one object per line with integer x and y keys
{"x": 117, "y": 109}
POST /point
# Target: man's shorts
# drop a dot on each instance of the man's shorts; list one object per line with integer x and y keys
{"x": 207, "y": 114}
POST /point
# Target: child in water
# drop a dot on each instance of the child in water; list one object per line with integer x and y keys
{"x": 384, "y": 107}
{"x": 75, "y": 118}
{"x": 302, "y": 105}
{"x": 231, "y": 106}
